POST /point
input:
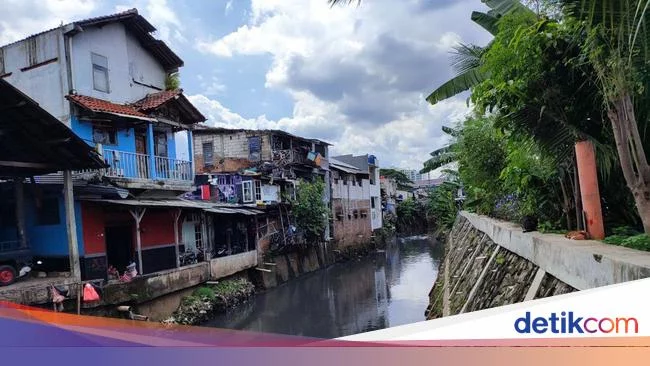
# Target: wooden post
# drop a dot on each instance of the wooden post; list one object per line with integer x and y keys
{"x": 177, "y": 215}
{"x": 71, "y": 226}
{"x": 79, "y": 289}
{"x": 137, "y": 216}
{"x": 19, "y": 192}
{"x": 586, "y": 159}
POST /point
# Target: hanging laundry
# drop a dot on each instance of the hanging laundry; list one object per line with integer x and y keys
{"x": 311, "y": 156}
{"x": 318, "y": 159}
{"x": 57, "y": 298}
{"x": 89, "y": 293}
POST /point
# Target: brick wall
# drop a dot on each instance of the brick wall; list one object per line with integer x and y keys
{"x": 232, "y": 147}
{"x": 348, "y": 229}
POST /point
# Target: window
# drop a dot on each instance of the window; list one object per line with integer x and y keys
{"x": 258, "y": 190}
{"x": 48, "y": 212}
{"x": 208, "y": 154}
{"x": 373, "y": 202}
{"x": 104, "y": 136}
{"x": 198, "y": 235}
{"x": 247, "y": 191}
{"x": 100, "y": 72}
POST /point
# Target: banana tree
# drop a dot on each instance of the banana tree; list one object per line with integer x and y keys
{"x": 617, "y": 46}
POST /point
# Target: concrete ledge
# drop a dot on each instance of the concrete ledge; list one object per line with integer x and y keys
{"x": 229, "y": 265}
{"x": 154, "y": 285}
{"x": 582, "y": 264}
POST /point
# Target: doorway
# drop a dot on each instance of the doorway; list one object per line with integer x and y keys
{"x": 119, "y": 246}
{"x": 141, "y": 159}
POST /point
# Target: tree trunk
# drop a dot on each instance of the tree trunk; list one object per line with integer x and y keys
{"x": 631, "y": 154}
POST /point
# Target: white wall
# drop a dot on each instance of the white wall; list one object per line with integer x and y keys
{"x": 126, "y": 60}
{"x": 375, "y": 191}
{"x": 46, "y": 84}
{"x": 144, "y": 68}
{"x": 349, "y": 191}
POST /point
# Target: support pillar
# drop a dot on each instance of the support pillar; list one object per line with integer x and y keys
{"x": 588, "y": 177}
{"x": 71, "y": 226}
{"x": 190, "y": 148}
{"x": 177, "y": 214}
{"x": 137, "y": 216}
{"x": 151, "y": 149}
{"x": 19, "y": 192}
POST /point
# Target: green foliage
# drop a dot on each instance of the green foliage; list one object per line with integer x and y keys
{"x": 411, "y": 216}
{"x": 172, "y": 81}
{"x": 639, "y": 241}
{"x": 403, "y": 182}
{"x": 204, "y": 292}
{"x": 309, "y": 208}
{"x": 441, "y": 205}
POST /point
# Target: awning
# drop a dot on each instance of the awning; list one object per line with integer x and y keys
{"x": 182, "y": 203}
{"x": 339, "y": 165}
{"x": 34, "y": 142}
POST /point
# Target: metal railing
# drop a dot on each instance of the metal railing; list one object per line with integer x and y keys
{"x": 173, "y": 169}
{"x": 124, "y": 164}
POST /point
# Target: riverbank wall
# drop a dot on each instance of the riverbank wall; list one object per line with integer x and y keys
{"x": 489, "y": 263}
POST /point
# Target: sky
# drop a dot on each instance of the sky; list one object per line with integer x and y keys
{"x": 354, "y": 76}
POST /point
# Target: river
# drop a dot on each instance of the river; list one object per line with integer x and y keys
{"x": 385, "y": 289}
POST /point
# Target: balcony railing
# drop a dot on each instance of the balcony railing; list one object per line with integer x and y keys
{"x": 124, "y": 164}
{"x": 173, "y": 169}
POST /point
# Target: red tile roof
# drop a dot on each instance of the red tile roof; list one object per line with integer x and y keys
{"x": 103, "y": 106}
{"x": 155, "y": 100}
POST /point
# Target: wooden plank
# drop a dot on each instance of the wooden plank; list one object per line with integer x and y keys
{"x": 71, "y": 226}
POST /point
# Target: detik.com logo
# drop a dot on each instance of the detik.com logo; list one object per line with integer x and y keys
{"x": 567, "y": 322}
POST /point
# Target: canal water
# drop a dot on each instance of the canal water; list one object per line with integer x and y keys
{"x": 386, "y": 289}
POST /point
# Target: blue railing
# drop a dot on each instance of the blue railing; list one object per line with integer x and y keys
{"x": 124, "y": 164}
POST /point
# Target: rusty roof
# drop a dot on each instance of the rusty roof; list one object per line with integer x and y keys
{"x": 104, "y": 106}
{"x": 153, "y": 101}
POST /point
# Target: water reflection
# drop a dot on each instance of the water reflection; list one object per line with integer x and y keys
{"x": 386, "y": 289}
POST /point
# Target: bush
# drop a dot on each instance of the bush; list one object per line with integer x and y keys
{"x": 204, "y": 292}
{"x": 310, "y": 210}
{"x": 442, "y": 205}
{"x": 639, "y": 241}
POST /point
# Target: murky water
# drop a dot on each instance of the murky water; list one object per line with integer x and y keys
{"x": 386, "y": 289}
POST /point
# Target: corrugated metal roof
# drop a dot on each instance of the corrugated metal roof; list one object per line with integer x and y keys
{"x": 33, "y": 142}
{"x": 201, "y": 128}
{"x": 339, "y": 165}
{"x": 181, "y": 203}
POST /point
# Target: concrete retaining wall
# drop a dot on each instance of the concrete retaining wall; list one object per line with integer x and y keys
{"x": 491, "y": 263}
{"x": 226, "y": 266}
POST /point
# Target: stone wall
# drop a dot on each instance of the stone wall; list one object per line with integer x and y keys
{"x": 225, "y": 266}
{"x": 490, "y": 263}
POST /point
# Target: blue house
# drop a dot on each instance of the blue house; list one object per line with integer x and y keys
{"x": 107, "y": 79}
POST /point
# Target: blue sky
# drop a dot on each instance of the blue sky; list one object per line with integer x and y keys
{"x": 353, "y": 76}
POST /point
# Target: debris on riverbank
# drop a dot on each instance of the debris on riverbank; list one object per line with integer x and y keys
{"x": 210, "y": 299}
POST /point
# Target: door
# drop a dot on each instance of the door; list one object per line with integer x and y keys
{"x": 189, "y": 235}
{"x": 142, "y": 161}
{"x": 160, "y": 149}
{"x": 119, "y": 246}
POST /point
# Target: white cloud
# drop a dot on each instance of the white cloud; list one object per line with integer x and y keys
{"x": 358, "y": 75}
{"x": 22, "y": 18}
{"x": 228, "y": 7}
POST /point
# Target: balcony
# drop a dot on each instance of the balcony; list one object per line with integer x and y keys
{"x": 138, "y": 166}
